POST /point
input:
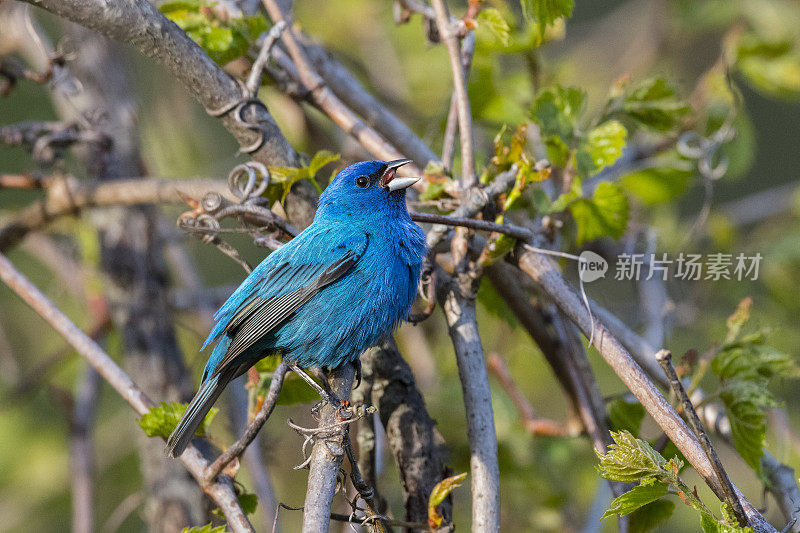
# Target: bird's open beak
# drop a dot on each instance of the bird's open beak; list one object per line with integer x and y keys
{"x": 393, "y": 183}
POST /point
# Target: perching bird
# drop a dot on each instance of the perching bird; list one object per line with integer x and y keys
{"x": 325, "y": 296}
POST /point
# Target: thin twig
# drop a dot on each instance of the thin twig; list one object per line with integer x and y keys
{"x": 237, "y": 448}
{"x": 254, "y": 79}
{"x": 450, "y": 130}
{"x": 533, "y": 423}
{"x": 82, "y": 451}
{"x": 664, "y": 358}
{"x": 450, "y": 38}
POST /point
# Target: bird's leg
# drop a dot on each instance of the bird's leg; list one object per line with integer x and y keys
{"x": 324, "y": 392}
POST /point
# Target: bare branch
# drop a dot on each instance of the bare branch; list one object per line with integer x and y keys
{"x": 82, "y": 452}
{"x": 221, "y": 491}
{"x": 664, "y": 358}
{"x": 531, "y": 421}
{"x": 374, "y": 113}
{"x": 450, "y": 38}
{"x": 457, "y": 298}
{"x": 547, "y": 276}
{"x": 327, "y": 100}
{"x": 67, "y": 195}
{"x": 140, "y": 24}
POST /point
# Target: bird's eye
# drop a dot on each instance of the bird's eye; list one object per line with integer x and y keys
{"x": 362, "y": 181}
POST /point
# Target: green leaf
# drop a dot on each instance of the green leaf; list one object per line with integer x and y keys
{"x": 752, "y": 361}
{"x": 604, "y": 145}
{"x": 606, "y": 214}
{"x": 648, "y": 517}
{"x": 285, "y": 177}
{"x": 630, "y": 459}
{"x": 635, "y": 498}
{"x": 653, "y": 103}
{"x": 438, "y": 494}
{"x": 208, "y": 528}
{"x": 658, "y": 184}
{"x": 771, "y": 65}
{"x": 710, "y": 525}
{"x": 745, "y": 403}
{"x": 248, "y": 502}
{"x": 557, "y": 110}
{"x": 161, "y": 421}
{"x": 625, "y": 415}
{"x": 545, "y": 12}
{"x": 492, "y": 19}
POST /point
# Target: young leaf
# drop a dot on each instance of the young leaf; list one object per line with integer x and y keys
{"x": 654, "y": 104}
{"x": 320, "y": 159}
{"x": 648, "y": 517}
{"x": 630, "y": 459}
{"x": 557, "y": 109}
{"x": 606, "y": 214}
{"x": 208, "y": 528}
{"x": 603, "y": 145}
{"x": 635, "y": 498}
{"x": 626, "y": 415}
{"x": 438, "y": 494}
{"x": 545, "y": 12}
{"x": 285, "y": 177}
{"x": 745, "y": 402}
{"x": 494, "y": 21}
{"x": 710, "y": 525}
{"x": 160, "y": 421}
{"x": 747, "y": 361}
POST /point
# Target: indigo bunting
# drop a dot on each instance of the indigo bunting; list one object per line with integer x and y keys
{"x": 325, "y": 296}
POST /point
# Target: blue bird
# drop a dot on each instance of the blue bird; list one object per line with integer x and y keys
{"x": 325, "y": 296}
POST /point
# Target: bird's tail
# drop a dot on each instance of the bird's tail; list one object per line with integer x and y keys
{"x": 196, "y": 413}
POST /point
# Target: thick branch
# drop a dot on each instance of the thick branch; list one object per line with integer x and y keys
{"x": 458, "y": 301}
{"x": 221, "y": 491}
{"x": 326, "y": 457}
{"x": 140, "y": 24}
{"x": 68, "y": 195}
{"x": 544, "y": 272}
{"x": 326, "y": 99}
{"x": 417, "y": 446}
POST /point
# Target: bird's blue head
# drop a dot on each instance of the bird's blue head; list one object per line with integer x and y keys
{"x": 362, "y": 189}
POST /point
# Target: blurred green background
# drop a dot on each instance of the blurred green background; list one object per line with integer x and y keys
{"x": 547, "y": 484}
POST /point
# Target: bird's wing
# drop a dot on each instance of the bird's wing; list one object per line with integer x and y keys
{"x": 281, "y": 287}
